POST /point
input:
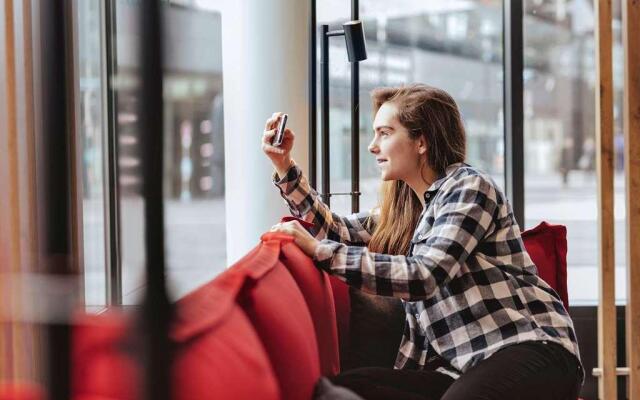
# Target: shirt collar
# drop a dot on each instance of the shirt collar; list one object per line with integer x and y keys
{"x": 441, "y": 179}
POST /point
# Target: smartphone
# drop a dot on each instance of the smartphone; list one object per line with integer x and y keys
{"x": 279, "y": 136}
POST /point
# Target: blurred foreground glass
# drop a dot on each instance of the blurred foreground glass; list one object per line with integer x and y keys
{"x": 194, "y": 148}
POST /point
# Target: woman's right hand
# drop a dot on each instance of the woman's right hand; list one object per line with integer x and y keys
{"x": 280, "y": 156}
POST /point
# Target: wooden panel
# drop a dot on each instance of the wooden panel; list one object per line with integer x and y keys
{"x": 607, "y": 386}
{"x": 31, "y": 338}
{"x": 631, "y": 38}
{"x": 8, "y": 181}
{"x": 19, "y": 341}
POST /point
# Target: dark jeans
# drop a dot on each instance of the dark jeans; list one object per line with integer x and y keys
{"x": 531, "y": 370}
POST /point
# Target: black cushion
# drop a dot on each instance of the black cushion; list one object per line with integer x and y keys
{"x": 375, "y": 331}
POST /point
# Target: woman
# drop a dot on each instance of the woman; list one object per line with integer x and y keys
{"x": 480, "y": 323}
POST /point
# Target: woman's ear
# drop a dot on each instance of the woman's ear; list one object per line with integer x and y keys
{"x": 422, "y": 145}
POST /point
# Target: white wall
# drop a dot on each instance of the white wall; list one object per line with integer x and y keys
{"x": 265, "y": 69}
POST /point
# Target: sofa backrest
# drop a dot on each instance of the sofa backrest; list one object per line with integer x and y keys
{"x": 316, "y": 289}
{"x": 324, "y": 300}
{"x": 249, "y": 333}
{"x": 219, "y": 354}
{"x": 278, "y": 312}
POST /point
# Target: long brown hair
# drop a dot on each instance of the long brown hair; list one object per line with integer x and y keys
{"x": 433, "y": 114}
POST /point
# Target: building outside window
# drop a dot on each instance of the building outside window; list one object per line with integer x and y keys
{"x": 194, "y": 147}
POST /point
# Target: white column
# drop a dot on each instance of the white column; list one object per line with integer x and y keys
{"x": 265, "y": 69}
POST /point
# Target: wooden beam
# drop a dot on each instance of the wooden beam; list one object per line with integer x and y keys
{"x": 607, "y": 386}
{"x": 19, "y": 340}
{"x": 30, "y": 334}
{"x": 10, "y": 235}
{"x": 631, "y": 38}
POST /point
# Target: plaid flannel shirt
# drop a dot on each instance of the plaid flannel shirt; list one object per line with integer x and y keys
{"x": 468, "y": 285}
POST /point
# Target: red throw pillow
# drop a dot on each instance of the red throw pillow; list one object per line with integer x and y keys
{"x": 547, "y": 246}
{"x": 315, "y": 287}
{"x": 278, "y": 312}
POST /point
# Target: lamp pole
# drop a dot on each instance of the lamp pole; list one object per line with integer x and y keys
{"x": 312, "y": 95}
{"x": 324, "y": 110}
{"x": 356, "y": 49}
{"x": 355, "y": 123}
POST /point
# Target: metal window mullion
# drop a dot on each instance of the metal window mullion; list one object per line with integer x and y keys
{"x": 513, "y": 65}
{"x": 54, "y": 172}
{"x": 111, "y": 192}
{"x": 324, "y": 106}
{"x": 355, "y": 123}
{"x": 156, "y": 310}
{"x": 313, "y": 101}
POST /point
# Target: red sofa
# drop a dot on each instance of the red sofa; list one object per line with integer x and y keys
{"x": 250, "y": 333}
{"x": 267, "y": 328}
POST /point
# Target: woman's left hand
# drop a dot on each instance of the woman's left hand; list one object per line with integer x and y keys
{"x": 301, "y": 236}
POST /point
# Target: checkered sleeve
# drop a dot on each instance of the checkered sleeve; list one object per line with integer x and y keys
{"x": 304, "y": 202}
{"x": 464, "y": 215}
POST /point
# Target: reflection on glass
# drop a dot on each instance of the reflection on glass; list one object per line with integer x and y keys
{"x": 559, "y": 128}
{"x": 456, "y": 46}
{"x": 193, "y": 148}
{"x": 91, "y": 136}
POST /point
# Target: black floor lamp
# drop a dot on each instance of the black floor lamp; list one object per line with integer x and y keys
{"x": 356, "y": 52}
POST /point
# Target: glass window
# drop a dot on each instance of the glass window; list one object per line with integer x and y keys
{"x": 416, "y": 41}
{"x": 193, "y": 149}
{"x": 91, "y": 136}
{"x": 620, "y": 235}
{"x": 559, "y": 130}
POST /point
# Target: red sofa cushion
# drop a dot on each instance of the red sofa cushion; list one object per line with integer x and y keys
{"x": 101, "y": 365}
{"x": 315, "y": 287}
{"x": 340, "y": 297}
{"x": 342, "y": 305}
{"x": 219, "y": 354}
{"x": 547, "y": 246}
{"x": 274, "y": 304}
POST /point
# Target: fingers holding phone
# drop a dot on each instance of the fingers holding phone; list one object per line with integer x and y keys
{"x": 277, "y": 140}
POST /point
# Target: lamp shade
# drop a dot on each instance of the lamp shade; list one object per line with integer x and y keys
{"x": 354, "y": 36}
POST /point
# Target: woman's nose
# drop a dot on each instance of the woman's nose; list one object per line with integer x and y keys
{"x": 373, "y": 147}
